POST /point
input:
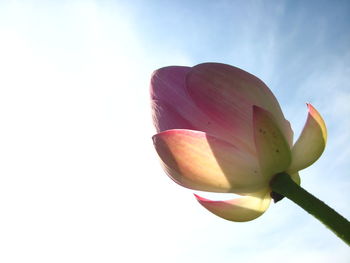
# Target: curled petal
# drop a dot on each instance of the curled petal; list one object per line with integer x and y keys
{"x": 311, "y": 142}
{"x": 240, "y": 209}
{"x": 203, "y": 162}
{"x": 272, "y": 148}
{"x": 227, "y": 94}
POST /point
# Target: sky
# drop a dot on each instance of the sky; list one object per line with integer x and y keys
{"x": 80, "y": 180}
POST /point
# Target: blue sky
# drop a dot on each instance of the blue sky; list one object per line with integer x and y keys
{"x": 79, "y": 178}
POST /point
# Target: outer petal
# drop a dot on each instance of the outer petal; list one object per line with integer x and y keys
{"x": 199, "y": 161}
{"x": 169, "y": 99}
{"x": 239, "y": 209}
{"x": 167, "y": 117}
{"x": 311, "y": 143}
{"x": 227, "y": 94}
{"x": 169, "y": 83}
{"x": 272, "y": 147}
{"x": 173, "y": 108}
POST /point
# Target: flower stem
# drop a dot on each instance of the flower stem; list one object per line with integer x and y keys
{"x": 283, "y": 184}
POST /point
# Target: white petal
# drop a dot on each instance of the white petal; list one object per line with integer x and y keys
{"x": 240, "y": 209}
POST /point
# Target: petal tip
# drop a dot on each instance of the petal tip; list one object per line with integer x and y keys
{"x": 200, "y": 199}
{"x": 311, "y": 108}
{"x": 318, "y": 118}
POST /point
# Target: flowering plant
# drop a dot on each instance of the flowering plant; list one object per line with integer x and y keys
{"x": 220, "y": 129}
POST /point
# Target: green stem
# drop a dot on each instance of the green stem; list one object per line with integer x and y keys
{"x": 283, "y": 184}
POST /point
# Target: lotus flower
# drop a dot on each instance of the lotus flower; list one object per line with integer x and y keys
{"x": 220, "y": 129}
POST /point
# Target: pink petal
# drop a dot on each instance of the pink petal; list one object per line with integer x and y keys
{"x": 226, "y": 94}
{"x": 167, "y": 117}
{"x": 272, "y": 148}
{"x": 239, "y": 209}
{"x": 311, "y": 142}
{"x": 169, "y": 83}
{"x": 173, "y": 108}
{"x": 199, "y": 161}
{"x": 169, "y": 99}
